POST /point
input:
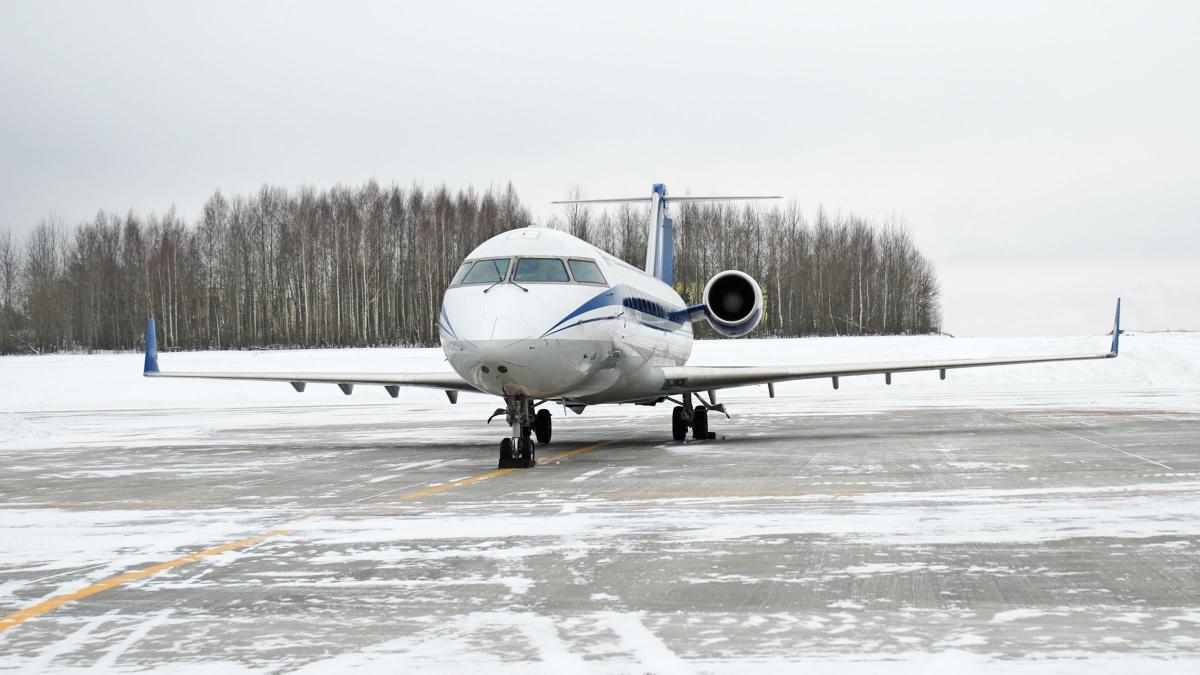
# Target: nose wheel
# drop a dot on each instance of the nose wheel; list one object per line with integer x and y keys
{"x": 518, "y": 451}
{"x": 519, "y": 455}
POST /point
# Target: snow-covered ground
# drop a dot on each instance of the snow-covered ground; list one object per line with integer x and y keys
{"x": 1156, "y": 371}
{"x": 1040, "y": 519}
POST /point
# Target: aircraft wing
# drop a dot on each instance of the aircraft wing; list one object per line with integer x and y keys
{"x": 444, "y": 381}
{"x": 684, "y": 379}
{"x": 448, "y": 382}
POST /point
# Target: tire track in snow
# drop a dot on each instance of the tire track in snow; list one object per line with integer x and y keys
{"x": 1081, "y": 438}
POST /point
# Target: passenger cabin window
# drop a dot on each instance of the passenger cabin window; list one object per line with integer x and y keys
{"x": 647, "y": 306}
{"x": 586, "y": 272}
{"x": 487, "y": 271}
{"x": 532, "y": 270}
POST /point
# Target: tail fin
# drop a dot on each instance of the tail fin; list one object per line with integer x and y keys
{"x": 1116, "y": 333}
{"x": 151, "y": 365}
{"x": 661, "y": 229}
{"x": 659, "y": 243}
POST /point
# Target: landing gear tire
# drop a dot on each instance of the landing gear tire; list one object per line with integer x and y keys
{"x": 541, "y": 426}
{"x": 525, "y": 451}
{"x": 520, "y": 455}
{"x": 516, "y": 451}
{"x": 507, "y": 461}
{"x": 679, "y": 426}
{"x": 700, "y": 423}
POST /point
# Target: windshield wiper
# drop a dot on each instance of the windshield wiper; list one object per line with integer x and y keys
{"x": 500, "y": 279}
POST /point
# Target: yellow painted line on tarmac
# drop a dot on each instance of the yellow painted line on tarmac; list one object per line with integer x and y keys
{"x": 436, "y": 489}
{"x": 579, "y": 451}
{"x": 50, "y": 604}
{"x": 454, "y": 484}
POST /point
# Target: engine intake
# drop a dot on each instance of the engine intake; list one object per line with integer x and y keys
{"x": 732, "y": 303}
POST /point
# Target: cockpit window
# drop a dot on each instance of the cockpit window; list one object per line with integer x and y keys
{"x": 586, "y": 272}
{"x": 462, "y": 272}
{"x": 540, "y": 269}
{"x": 487, "y": 271}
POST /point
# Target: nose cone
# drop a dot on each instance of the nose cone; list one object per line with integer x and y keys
{"x": 506, "y": 343}
{"x": 495, "y": 353}
{"x": 500, "y": 341}
{"x": 510, "y": 329}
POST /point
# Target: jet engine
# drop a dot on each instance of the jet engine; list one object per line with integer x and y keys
{"x": 733, "y": 303}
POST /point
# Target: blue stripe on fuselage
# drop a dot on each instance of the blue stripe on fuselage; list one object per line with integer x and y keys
{"x": 604, "y": 299}
{"x": 580, "y": 323}
{"x": 446, "y": 323}
{"x": 631, "y": 299}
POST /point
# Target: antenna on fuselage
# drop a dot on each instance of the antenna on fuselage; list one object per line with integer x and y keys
{"x": 661, "y": 228}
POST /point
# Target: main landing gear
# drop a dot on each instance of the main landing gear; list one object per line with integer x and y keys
{"x": 684, "y": 417}
{"x": 518, "y": 450}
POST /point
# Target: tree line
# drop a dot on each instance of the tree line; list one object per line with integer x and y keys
{"x": 829, "y": 275}
{"x": 367, "y": 265}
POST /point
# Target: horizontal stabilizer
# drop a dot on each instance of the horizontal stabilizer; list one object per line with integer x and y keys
{"x": 667, "y": 198}
{"x": 613, "y": 200}
{"x": 719, "y": 198}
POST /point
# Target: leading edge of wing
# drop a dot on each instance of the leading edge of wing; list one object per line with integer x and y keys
{"x": 696, "y": 378}
{"x": 444, "y": 381}
{"x": 683, "y": 379}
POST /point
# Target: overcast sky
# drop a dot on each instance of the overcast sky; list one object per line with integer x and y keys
{"x": 1045, "y": 155}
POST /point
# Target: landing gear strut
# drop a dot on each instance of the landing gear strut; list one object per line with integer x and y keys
{"x": 517, "y": 451}
{"x": 685, "y": 416}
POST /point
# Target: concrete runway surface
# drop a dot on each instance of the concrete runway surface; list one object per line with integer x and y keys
{"x": 847, "y": 541}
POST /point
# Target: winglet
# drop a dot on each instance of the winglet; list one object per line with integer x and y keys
{"x": 151, "y": 350}
{"x": 1116, "y": 333}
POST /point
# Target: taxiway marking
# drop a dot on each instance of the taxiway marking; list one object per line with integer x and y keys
{"x": 454, "y": 484}
{"x": 579, "y": 451}
{"x": 50, "y": 604}
{"x": 444, "y": 487}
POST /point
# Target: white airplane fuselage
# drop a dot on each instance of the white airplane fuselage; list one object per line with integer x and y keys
{"x": 577, "y": 341}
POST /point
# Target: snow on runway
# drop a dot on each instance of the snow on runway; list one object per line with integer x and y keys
{"x": 1039, "y": 517}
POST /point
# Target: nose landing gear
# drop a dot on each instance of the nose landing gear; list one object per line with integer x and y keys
{"x": 517, "y": 456}
{"x": 518, "y": 451}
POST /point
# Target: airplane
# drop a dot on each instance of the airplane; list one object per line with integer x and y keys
{"x": 536, "y": 316}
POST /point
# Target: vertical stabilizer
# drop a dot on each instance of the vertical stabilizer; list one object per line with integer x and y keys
{"x": 667, "y": 251}
{"x": 658, "y": 236}
{"x": 654, "y": 233}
